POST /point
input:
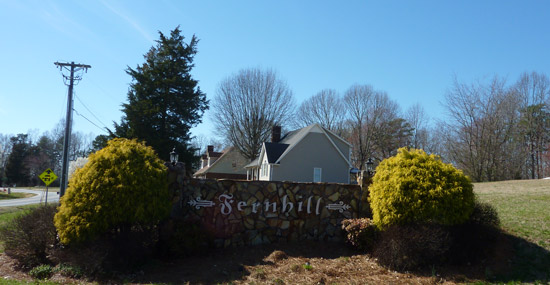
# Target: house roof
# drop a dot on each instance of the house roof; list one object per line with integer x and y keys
{"x": 253, "y": 163}
{"x": 272, "y": 150}
{"x": 276, "y": 151}
{"x": 295, "y": 137}
{"x": 216, "y": 154}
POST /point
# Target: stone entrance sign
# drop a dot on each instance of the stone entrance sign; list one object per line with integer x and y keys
{"x": 254, "y": 212}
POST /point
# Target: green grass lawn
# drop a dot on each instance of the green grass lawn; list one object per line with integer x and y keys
{"x": 524, "y": 210}
{"x": 9, "y": 213}
{"x": 12, "y": 196}
{"x": 523, "y": 207}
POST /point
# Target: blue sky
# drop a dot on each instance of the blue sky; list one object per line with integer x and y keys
{"x": 410, "y": 49}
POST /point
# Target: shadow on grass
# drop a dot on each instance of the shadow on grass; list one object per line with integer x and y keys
{"x": 517, "y": 260}
{"x": 530, "y": 263}
{"x": 513, "y": 260}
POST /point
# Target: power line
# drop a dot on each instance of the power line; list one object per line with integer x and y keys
{"x": 92, "y": 113}
{"x": 103, "y": 129}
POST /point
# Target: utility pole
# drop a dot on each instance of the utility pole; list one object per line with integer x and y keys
{"x": 72, "y": 68}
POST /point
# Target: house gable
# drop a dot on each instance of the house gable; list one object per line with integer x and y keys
{"x": 230, "y": 163}
{"x": 314, "y": 151}
{"x": 297, "y": 138}
{"x": 303, "y": 155}
{"x": 264, "y": 169}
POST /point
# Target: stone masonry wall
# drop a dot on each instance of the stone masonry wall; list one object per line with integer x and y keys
{"x": 240, "y": 212}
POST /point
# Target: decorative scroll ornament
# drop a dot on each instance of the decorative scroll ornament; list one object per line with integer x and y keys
{"x": 341, "y": 207}
{"x": 198, "y": 203}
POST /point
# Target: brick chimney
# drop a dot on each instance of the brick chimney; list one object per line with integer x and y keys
{"x": 276, "y": 134}
{"x": 210, "y": 148}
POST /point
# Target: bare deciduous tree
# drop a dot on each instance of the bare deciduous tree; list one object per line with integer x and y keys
{"x": 248, "y": 104}
{"x": 358, "y": 100}
{"x": 482, "y": 125}
{"x": 374, "y": 126}
{"x": 201, "y": 142}
{"x": 533, "y": 90}
{"x": 325, "y": 108}
{"x": 80, "y": 146}
{"x": 390, "y": 130}
{"x": 435, "y": 137}
{"x": 418, "y": 121}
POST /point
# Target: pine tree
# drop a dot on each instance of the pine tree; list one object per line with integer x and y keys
{"x": 17, "y": 170}
{"x": 164, "y": 101}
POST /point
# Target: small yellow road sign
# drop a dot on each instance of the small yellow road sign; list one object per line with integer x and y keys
{"x": 48, "y": 176}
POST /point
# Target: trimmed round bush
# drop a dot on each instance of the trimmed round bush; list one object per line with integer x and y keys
{"x": 414, "y": 187}
{"x": 121, "y": 185}
{"x": 484, "y": 214}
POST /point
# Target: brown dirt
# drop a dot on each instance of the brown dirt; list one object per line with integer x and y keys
{"x": 329, "y": 263}
{"x": 9, "y": 271}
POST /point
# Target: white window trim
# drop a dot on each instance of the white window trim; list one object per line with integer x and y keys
{"x": 264, "y": 170}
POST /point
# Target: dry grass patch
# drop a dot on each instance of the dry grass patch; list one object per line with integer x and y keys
{"x": 355, "y": 269}
{"x": 276, "y": 256}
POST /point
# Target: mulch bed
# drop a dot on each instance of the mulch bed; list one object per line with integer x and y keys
{"x": 303, "y": 263}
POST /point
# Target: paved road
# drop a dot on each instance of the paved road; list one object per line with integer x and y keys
{"x": 39, "y": 197}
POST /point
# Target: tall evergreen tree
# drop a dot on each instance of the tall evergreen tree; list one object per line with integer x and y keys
{"x": 39, "y": 158}
{"x": 17, "y": 171}
{"x": 100, "y": 142}
{"x": 164, "y": 101}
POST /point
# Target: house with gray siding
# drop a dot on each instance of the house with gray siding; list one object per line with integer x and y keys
{"x": 310, "y": 154}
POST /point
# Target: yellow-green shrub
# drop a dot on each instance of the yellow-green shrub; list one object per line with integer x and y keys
{"x": 414, "y": 187}
{"x": 123, "y": 184}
